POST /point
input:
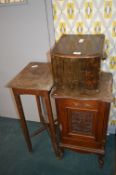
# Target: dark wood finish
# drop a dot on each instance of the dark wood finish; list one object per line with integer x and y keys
{"x": 35, "y": 79}
{"x": 22, "y": 120}
{"x": 92, "y": 45}
{"x": 38, "y": 131}
{"x": 35, "y": 76}
{"x": 81, "y": 126}
{"x": 83, "y": 118}
{"x": 76, "y": 61}
{"x": 42, "y": 119}
{"x": 52, "y": 127}
{"x": 104, "y": 93}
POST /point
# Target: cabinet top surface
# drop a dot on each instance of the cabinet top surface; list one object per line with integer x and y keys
{"x": 87, "y": 45}
{"x": 104, "y": 93}
{"x": 35, "y": 76}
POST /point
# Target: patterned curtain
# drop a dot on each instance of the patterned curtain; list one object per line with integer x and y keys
{"x": 95, "y": 17}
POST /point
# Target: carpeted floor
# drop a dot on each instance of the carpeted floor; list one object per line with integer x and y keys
{"x": 16, "y": 160}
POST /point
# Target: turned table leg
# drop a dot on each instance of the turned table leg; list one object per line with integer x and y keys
{"x": 22, "y": 120}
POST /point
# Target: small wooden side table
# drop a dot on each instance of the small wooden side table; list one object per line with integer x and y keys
{"x": 35, "y": 79}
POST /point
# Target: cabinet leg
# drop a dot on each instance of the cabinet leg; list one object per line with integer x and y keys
{"x": 101, "y": 160}
{"x": 60, "y": 156}
{"x": 61, "y": 153}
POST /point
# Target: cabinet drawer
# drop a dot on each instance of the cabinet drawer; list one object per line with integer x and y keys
{"x": 80, "y": 104}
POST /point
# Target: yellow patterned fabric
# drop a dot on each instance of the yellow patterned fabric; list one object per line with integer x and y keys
{"x": 90, "y": 17}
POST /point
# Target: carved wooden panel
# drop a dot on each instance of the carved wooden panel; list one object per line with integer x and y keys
{"x": 83, "y": 124}
{"x": 81, "y": 121}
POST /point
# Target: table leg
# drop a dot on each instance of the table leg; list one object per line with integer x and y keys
{"x": 22, "y": 120}
{"x": 39, "y": 109}
{"x": 45, "y": 124}
{"x": 52, "y": 127}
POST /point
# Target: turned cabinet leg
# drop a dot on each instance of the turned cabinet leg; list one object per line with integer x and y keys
{"x": 101, "y": 160}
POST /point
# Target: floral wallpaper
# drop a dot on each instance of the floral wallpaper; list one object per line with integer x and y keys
{"x": 95, "y": 17}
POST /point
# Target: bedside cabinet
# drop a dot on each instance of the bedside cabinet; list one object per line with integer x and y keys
{"x": 83, "y": 118}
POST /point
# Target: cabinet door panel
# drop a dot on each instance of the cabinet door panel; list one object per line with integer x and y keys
{"x": 81, "y": 121}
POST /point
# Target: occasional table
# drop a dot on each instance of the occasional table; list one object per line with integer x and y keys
{"x": 35, "y": 79}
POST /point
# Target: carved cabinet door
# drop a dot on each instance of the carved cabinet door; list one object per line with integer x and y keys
{"x": 82, "y": 123}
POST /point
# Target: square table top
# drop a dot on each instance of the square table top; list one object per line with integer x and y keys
{"x": 35, "y": 76}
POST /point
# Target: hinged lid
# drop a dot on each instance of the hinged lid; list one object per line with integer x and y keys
{"x": 82, "y": 46}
